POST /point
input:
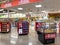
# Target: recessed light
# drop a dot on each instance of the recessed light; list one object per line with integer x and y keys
{"x": 38, "y": 5}
{"x": 12, "y": 12}
{"x": 43, "y": 11}
{"x": 20, "y": 8}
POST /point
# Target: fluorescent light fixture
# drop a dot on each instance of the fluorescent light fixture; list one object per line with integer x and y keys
{"x": 38, "y": 5}
{"x": 1, "y": 9}
{"x": 43, "y": 11}
{"x": 20, "y": 8}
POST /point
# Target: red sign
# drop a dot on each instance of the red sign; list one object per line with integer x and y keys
{"x": 50, "y": 36}
{"x": 17, "y": 2}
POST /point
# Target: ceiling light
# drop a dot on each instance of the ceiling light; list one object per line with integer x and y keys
{"x": 20, "y": 8}
{"x": 1, "y": 9}
{"x": 38, "y": 5}
{"x": 43, "y": 11}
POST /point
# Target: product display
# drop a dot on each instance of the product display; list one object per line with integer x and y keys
{"x": 23, "y": 27}
{"x": 46, "y": 32}
{"x": 5, "y": 27}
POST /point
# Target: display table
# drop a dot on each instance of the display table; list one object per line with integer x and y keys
{"x": 46, "y": 38}
{"x": 46, "y": 31}
{"x": 23, "y": 27}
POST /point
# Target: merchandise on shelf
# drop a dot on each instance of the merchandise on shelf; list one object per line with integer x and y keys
{"x": 5, "y": 27}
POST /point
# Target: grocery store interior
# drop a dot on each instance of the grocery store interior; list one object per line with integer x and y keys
{"x": 29, "y": 22}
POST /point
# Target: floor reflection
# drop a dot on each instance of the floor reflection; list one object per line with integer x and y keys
{"x": 14, "y": 39}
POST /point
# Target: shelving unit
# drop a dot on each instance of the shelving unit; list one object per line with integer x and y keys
{"x": 5, "y": 27}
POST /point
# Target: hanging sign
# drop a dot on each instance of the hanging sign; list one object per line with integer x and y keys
{"x": 17, "y": 2}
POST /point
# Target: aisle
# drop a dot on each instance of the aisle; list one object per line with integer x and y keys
{"x": 13, "y": 38}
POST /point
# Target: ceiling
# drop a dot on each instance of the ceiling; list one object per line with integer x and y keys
{"x": 49, "y": 5}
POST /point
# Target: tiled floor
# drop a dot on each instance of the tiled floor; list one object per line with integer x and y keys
{"x": 13, "y": 38}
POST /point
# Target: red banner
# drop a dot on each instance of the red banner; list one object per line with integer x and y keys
{"x": 17, "y": 2}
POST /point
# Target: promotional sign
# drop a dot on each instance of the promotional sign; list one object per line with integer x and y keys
{"x": 17, "y": 2}
{"x": 50, "y": 36}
